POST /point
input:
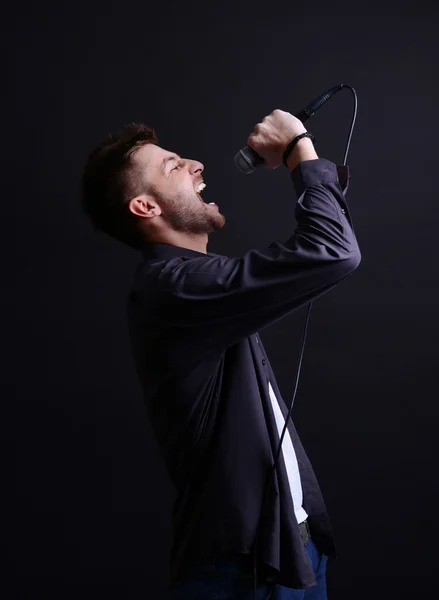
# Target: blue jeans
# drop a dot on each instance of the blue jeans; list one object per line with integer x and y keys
{"x": 231, "y": 578}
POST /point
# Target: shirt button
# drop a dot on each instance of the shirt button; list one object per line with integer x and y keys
{"x": 343, "y": 211}
{"x": 263, "y": 362}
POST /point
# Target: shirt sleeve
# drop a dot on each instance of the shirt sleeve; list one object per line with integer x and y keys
{"x": 223, "y": 299}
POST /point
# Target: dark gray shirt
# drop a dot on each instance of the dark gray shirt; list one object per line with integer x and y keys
{"x": 193, "y": 322}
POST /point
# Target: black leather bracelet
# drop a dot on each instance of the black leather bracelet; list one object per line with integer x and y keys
{"x": 291, "y": 145}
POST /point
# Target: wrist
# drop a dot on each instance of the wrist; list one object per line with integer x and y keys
{"x": 303, "y": 150}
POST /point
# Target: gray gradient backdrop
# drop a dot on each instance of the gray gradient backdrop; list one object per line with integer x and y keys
{"x": 89, "y": 512}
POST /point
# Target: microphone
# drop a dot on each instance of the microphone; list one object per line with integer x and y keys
{"x": 247, "y": 160}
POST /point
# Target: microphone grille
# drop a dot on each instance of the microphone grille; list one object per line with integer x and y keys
{"x": 243, "y": 162}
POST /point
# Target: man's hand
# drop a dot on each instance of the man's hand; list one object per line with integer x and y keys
{"x": 270, "y": 138}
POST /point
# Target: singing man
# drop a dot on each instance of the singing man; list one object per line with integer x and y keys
{"x": 210, "y": 392}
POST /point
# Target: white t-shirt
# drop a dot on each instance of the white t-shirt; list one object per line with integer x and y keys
{"x": 290, "y": 460}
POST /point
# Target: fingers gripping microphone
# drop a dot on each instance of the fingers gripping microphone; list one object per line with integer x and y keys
{"x": 247, "y": 160}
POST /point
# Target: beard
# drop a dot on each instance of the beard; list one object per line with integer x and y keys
{"x": 187, "y": 213}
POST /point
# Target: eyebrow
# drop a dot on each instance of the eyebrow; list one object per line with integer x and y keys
{"x": 168, "y": 159}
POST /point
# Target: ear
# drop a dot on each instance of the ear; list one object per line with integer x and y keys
{"x": 144, "y": 206}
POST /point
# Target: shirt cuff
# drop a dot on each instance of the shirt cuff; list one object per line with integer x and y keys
{"x": 319, "y": 172}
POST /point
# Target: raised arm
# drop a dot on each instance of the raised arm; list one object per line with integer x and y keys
{"x": 221, "y": 300}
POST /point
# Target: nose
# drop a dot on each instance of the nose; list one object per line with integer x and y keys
{"x": 196, "y": 168}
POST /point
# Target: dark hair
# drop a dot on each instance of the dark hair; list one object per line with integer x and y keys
{"x": 111, "y": 179}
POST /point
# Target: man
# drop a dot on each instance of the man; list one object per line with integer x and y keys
{"x": 209, "y": 388}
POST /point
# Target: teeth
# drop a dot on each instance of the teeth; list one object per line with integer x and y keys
{"x": 201, "y": 187}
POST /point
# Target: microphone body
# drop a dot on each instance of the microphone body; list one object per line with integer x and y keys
{"x": 247, "y": 160}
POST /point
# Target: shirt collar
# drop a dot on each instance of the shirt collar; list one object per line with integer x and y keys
{"x": 161, "y": 250}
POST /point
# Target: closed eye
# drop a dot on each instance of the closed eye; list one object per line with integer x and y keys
{"x": 168, "y": 159}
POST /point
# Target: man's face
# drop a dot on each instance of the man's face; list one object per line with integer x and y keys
{"x": 174, "y": 184}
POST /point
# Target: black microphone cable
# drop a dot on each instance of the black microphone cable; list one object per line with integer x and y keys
{"x": 306, "y": 113}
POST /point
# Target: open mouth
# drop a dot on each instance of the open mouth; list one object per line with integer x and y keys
{"x": 200, "y": 187}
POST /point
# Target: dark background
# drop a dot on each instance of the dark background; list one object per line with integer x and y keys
{"x": 87, "y": 503}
